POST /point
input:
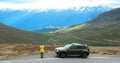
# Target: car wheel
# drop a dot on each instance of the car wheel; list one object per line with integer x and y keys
{"x": 84, "y": 55}
{"x": 63, "y": 55}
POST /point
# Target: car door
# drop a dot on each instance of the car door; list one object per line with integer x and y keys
{"x": 73, "y": 50}
{"x": 79, "y": 50}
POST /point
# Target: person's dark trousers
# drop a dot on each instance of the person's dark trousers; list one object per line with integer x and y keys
{"x": 42, "y": 55}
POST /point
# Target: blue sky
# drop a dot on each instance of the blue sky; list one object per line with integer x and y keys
{"x": 44, "y": 5}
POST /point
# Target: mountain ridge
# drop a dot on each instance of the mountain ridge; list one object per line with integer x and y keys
{"x": 103, "y": 30}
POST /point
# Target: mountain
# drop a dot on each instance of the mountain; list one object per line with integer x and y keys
{"x": 13, "y": 35}
{"x": 31, "y": 20}
{"x": 103, "y": 30}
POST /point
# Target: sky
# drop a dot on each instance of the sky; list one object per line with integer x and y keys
{"x": 44, "y": 5}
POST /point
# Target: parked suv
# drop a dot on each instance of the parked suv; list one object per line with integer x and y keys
{"x": 73, "y": 49}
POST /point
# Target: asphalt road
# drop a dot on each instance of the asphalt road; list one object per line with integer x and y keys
{"x": 51, "y": 58}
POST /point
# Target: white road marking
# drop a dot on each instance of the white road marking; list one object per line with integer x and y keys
{"x": 99, "y": 57}
{"x": 5, "y": 61}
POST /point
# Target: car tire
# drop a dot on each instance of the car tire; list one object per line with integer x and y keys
{"x": 84, "y": 55}
{"x": 63, "y": 55}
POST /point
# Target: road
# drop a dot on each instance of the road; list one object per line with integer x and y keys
{"x": 50, "y": 58}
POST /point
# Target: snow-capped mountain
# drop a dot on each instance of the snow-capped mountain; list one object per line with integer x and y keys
{"x": 31, "y": 20}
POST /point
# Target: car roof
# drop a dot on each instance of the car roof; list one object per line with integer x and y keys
{"x": 79, "y": 44}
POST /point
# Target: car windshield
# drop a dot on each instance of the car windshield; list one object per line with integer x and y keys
{"x": 67, "y": 46}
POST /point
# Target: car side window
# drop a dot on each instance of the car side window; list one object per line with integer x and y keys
{"x": 79, "y": 47}
{"x": 84, "y": 47}
{"x": 73, "y": 47}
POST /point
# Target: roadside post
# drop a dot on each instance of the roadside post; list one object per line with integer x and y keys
{"x": 42, "y": 50}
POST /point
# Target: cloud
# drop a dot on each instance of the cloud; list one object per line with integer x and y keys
{"x": 44, "y": 5}
{"x": 17, "y": 1}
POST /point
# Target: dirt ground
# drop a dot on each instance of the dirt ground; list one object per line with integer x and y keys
{"x": 13, "y": 50}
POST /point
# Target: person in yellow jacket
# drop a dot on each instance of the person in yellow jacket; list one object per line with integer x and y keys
{"x": 42, "y": 50}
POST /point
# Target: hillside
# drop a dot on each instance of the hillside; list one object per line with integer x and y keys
{"x": 12, "y": 35}
{"x": 103, "y": 30}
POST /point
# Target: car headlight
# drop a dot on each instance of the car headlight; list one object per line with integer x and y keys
{"x": 57, "y": 50}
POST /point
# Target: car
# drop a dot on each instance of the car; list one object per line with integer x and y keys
{"x": 73, "y": 49}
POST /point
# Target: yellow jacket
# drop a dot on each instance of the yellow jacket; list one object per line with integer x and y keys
{"x": 42, "y": 48}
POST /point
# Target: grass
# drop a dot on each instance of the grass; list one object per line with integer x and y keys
{"x": 71, "y": 28}
{"x": 105, "y": 50}
{"x": 13, "y": 35}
